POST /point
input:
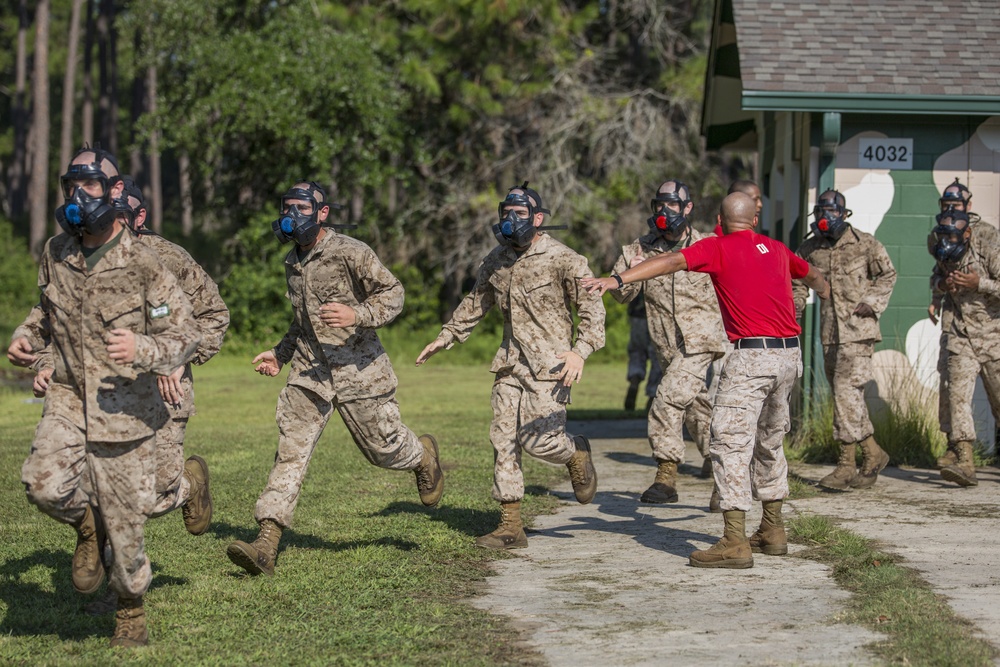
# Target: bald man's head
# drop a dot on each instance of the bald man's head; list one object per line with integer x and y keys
{"x": 738, "y": 212}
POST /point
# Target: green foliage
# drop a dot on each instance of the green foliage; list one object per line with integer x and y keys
{"x": 254, "y": 288}
{"x": 19, "y": 277}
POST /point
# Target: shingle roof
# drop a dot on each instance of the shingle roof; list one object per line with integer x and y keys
{"x": 887, "y": 47}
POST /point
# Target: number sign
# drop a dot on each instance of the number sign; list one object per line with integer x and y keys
{"x": 885, "y": 153}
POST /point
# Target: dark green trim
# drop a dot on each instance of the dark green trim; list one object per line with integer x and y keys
{"x": 717, "y": 136}
{"x": 727, "y": 61}
{"x": 955, "y": 105}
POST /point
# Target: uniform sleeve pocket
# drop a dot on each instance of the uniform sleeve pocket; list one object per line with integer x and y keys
{"x": 124, "y": 312}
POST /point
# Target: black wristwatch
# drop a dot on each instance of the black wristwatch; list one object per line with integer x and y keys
{"x": 618, "y": 278}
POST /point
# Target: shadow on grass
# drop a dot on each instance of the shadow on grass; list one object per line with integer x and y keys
{"x": 461, "y": 519}
{"x": 32, "y": 610}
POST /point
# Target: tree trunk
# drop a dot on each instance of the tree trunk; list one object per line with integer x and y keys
{"x": 106, "y": 104}
{"x": 138, "y": 107}
{"x": 155, "y": 181}
{"x": 19, "y": 113}
{"x": 69, "y": 86}
{"x": 187, "y": 202}
{"x": 38, "y": 191}
{"x": 87, "y": 119}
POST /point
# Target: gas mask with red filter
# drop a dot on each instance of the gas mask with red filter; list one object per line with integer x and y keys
{"x": 665, "y": 221}
{"x": 831, "y": 216}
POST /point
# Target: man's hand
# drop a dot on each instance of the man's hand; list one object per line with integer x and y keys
{"x": 121, "y": 346}
{"x": 636, "y": 261}
{"x": 825, "y": 292}
{"x": 969, "y": 281}
{"x": 170, "y": 387}
{"x": 41, "y": 384}
{"x": 267, "y": 363}
{"x": 932, "y": 313}
{"x": 598, "y": 285}
{"x": 864, "y": 310}
{"x": 436, "y": 346}
{"x": 19, "y": 352}
{"x": 572, "y": 368}
{"x": 337, "y": 315}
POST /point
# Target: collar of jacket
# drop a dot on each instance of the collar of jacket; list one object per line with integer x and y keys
{"x": 850, "y": 236}
{"x": 538, "y": 247}
{"x": 115, "y": 258}
{"x": 293, "y": 254}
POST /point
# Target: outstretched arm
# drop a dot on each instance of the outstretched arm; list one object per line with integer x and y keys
{"x": 661, "y": 265}
{"x": 817, "y": 281}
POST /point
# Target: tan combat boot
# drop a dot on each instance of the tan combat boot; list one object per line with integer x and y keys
{"x": 963, "y": 472}
{"x": 130, "y": 624}
{"x": 949, "y": 458}
{"x": 88, "y": 570}
{"x": 197, "y": 511}
{"x": 510, "y": 533}
{"x": 259, "y": 556}
{"x": 664, "y": 487}
{"x": 732, "y": 551}
{"x": 873, "y": 461}
{"x": 581, "y": 471}
{"x": 430, "y": 479}
{"x": 845, "y": 472}
{"x": 770, "y": 538}
{"x": 715, "y": 502}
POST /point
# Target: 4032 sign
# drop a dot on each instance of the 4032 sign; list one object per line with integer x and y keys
{"x": 885, "y": 153}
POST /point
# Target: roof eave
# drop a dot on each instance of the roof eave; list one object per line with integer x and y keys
{"x": 955, "y": 105}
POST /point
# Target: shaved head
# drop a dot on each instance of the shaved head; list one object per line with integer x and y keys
{"x": 738, "y": 212}
{"x": 108, "y": 168}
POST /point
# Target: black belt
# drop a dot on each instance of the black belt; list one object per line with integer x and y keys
{"x": 769, "y": 343}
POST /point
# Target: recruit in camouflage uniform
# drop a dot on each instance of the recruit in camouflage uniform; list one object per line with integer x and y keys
{"x": 340, "y": 293}
{"x": 93, "y": 462}
{"x": 861, "y": 279}
{"x": 686, "y": 328}
{"x": 532, "y": 279}
{"x": 957, "y": 197}
{"x": 967, "y": 275}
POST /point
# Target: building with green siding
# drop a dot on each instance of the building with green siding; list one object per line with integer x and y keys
{"x": 887, "y": 102}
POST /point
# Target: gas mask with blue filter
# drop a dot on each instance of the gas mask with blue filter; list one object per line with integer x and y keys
{"x": 947, "y": 242}
{"x": 514, "y": 230}
{"x": 294, "y": 225}
{"x": 668, "y": 223}
{"x": 83, "y": 213}
{"x": 831, "y": 216}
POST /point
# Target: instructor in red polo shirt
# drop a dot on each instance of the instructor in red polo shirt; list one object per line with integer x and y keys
{"x": 752, "y": 275}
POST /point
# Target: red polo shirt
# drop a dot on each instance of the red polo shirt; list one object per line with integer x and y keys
{"x": 752, "y": 275}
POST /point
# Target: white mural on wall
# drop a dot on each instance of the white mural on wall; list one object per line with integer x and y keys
{"x": 869, "y": 192}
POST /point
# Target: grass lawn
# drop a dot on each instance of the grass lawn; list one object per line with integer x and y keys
{"x": 367, "y": 574}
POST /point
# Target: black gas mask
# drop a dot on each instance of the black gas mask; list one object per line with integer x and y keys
{"x": 82, "y": 213}
{"x": 294, "y": 225}
{"x": 664, "y": 221}
{"x": 123, "y": 206}
{"x": 831, "y": 216}
{"x": 947, "y": 242}
{"x": 955, "y": 195}
{"x": 514, "y": 230}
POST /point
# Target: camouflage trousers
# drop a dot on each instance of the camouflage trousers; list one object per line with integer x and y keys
{"x": 682, "y": 398}
{"x": 640, "y": 352}
{"x": 64, "y": 472}
{"x": 848, "y": 369}
{"x": 962, "y": 369}
{"x": 302, "y": 414}
{"x": 749, "y": 422}
{"x": 528, "y": 415}
{"x": 172, "y": 487}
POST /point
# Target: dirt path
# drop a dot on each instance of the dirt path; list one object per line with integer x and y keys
{"x": 609, "y": 584}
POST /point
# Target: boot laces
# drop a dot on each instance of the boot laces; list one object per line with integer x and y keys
{"x": 577, "y": 471}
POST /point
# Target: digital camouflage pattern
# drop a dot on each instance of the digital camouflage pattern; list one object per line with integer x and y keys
{"x": 685, "y": 325}
{"x": 534, "y": 292}
{"x": 342, "y": 368}
{"x": 970, "y": 336}
{"x": 749, "y": 422}
{"x": 859, "y": 271}
{"x": 95, "y": 440}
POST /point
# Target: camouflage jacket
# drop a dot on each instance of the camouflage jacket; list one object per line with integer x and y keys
{"x": 128, "y": 289}
{"x": 859, "y": 271}
{"x": 681, "y": 308}
{"x": 339, "y": 363}
{"x": 973, "y": 315}
{"x": 534, "y": 292}
{"x": 987, "y": 237}
{"x": 210, "y": 313}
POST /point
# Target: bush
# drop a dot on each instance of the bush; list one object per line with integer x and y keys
{"x": 19, "y": 277}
